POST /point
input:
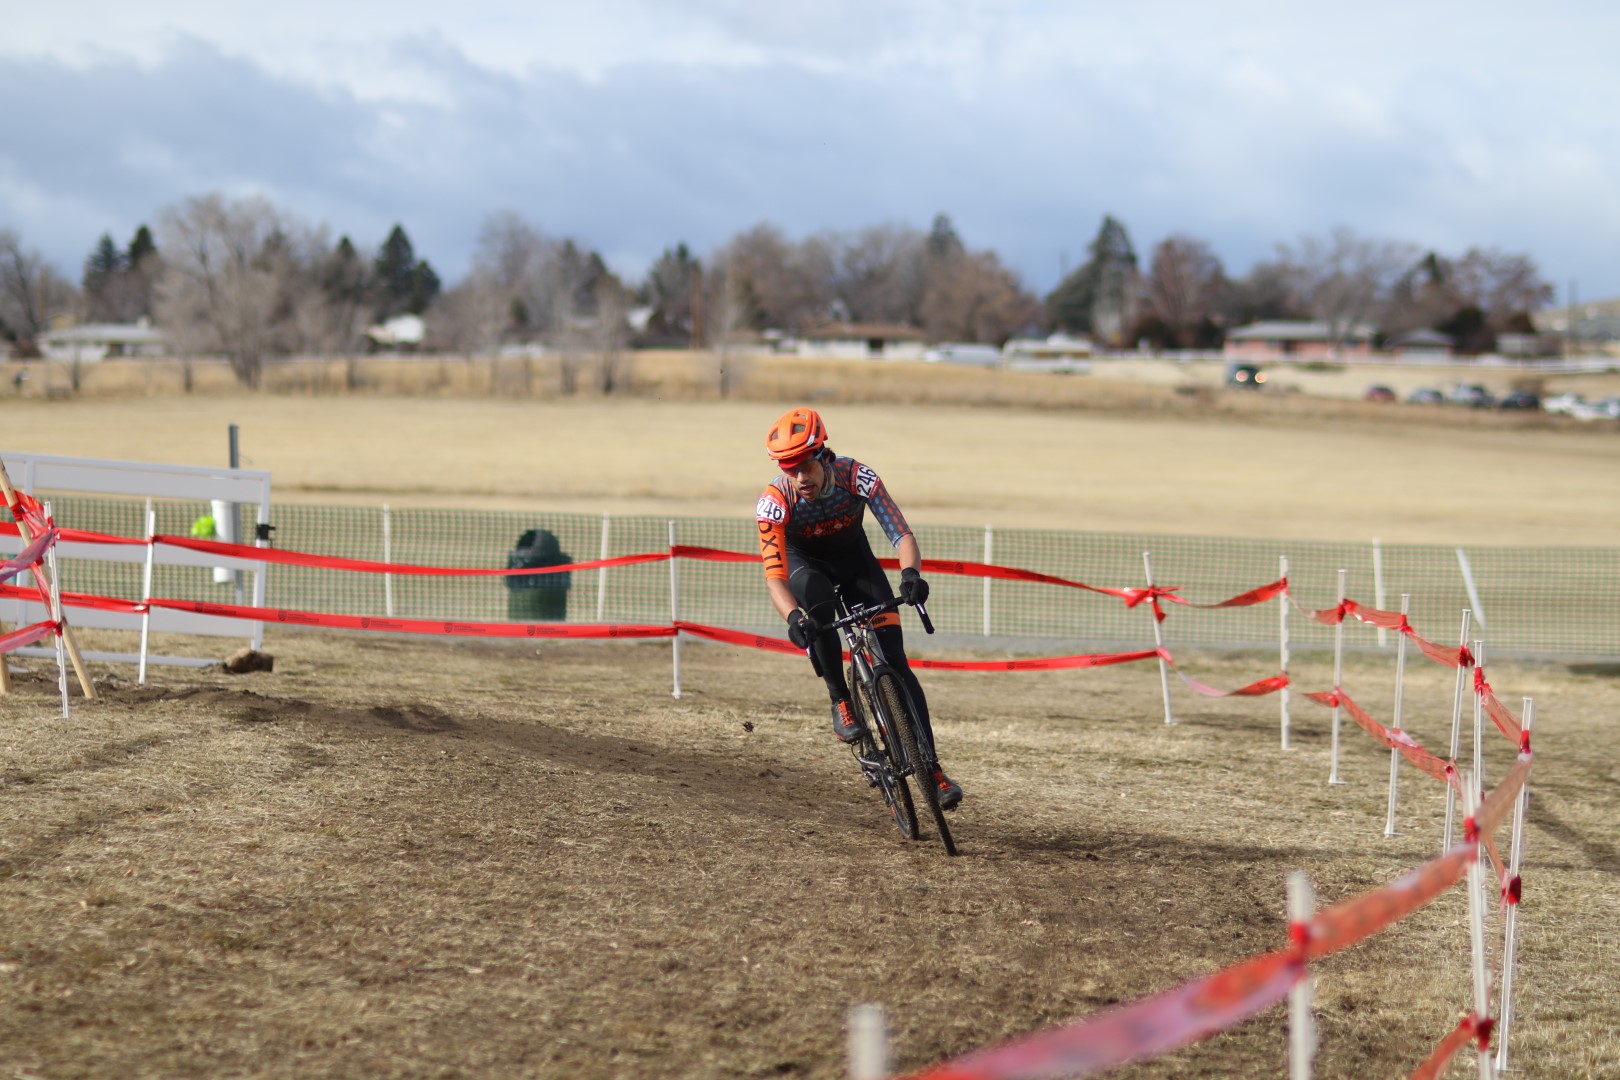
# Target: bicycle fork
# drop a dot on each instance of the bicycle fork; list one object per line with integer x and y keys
{"x": 867, "y": 675}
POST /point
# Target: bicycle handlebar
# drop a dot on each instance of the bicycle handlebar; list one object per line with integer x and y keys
{"x": 868, "y": 611}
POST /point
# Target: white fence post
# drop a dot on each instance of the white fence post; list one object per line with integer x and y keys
{"x": 1301, "y": 1025}
{"x": 1476, "y": 923}
{"x": 1400, "y": 692}
{"x": 1338, "y": 676}
{"x": 1479, "y": 724}
{"x": 601, "y": 575}
{"x": 388, "y": 557}
{"x": 146, "y": 593}
{"x": 674, "y": 612}
{"x": 1510, "y": 924}
{"x": 868, "y": 1043}
{"x": 1456, "y": 731}
{"x": 56, "y": 614}
{"x": 1282, "y": 637}
{"x": 989, "y": 548}
{"x": 1158, "y": 639}
{"x": 1473, "y": 591}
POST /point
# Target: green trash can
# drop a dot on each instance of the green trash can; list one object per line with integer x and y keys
{"x": 537, "y": 597}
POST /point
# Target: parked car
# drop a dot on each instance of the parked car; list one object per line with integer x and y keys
{"x": 1425, "y": 395}
{"x": 1378, "y": 393}
{"x": 1245, "y": 376}
{"x": 1607, "y": 409}
{"x": 1520, "y": 399}
{"x": 1472, "y": 395}
{"x": 1563, "y": 404}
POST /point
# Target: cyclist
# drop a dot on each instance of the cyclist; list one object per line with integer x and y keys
{"x": 810, "y": 537}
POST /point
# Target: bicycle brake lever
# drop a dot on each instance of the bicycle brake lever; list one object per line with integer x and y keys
{"x": 922, "y": 613}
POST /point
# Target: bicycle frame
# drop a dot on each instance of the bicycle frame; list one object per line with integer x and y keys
{"x": 899, "y": 747}
{"x": 859, "y": 635}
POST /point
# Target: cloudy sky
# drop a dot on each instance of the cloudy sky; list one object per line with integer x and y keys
{"x": 631, "y": 125}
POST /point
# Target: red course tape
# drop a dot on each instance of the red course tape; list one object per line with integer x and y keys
{"x": 26, "y": 636}
{"x": 1144, "y": 1029}
{"x": 28, "y": 556}
{"x": 413, "y": 626}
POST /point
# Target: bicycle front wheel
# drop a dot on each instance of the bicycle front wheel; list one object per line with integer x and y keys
{"x": 897, "y": 703}
{"x": 885, "y": 774}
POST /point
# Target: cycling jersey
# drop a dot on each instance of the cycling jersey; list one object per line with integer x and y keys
{"x": 826, "y": 527}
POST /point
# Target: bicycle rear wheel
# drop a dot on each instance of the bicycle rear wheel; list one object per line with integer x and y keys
{"x": 890, "y": 784}
{"x": 898, "y": 705}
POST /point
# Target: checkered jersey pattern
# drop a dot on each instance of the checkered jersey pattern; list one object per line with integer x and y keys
{"x": 822, "y": 528}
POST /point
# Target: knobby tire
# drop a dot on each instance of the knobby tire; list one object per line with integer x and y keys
{"x": 892, "y": 786}
{"x": 897, "y": 703}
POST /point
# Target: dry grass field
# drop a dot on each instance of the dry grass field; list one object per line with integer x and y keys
{"x": 440, "y": 858}
{"x": 955, "y": 445}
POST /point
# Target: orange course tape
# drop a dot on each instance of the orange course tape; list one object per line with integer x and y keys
{"x": 26, "y": 636}
{"x": 413, "y": 626}
{"x": 1147, "y": 1028}
{"x": 1467, "y": 1029}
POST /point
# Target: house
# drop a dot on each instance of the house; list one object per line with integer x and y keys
{"x": 1422, "y": 345}
{"x": 100, "y": 341}
{"x": 1298, "y": 340}
{"x": 1594, "y": 322}
{"x": 1525, "y": 346}
{"x": 964, "y": 352}
{"x": 402, "y": 332}
{"x": 1058, "y": 352}
{"x": 862, "y": 341}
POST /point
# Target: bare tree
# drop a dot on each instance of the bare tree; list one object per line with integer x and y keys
{"x": 612, "y": 333}
{"x": 1501, "y": 284}
{"x": 1183, "y": 285}
{"x": 32, "y": 293}
{"x": 345, "y": 281}
{"x": 1343, "y": 278}
{"x": 470, "y": 317}
{"x": 879, "y": 274}
{"x": 223, "y": 281}
{"x": 972, "y": 297}
{"x": 728, "y": 314}
{"x": 781, "y": 283}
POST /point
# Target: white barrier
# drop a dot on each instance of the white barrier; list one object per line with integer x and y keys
{"x": 42, "y": 474}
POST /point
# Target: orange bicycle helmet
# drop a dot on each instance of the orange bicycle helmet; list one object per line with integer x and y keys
{"x": 795, "y": 436}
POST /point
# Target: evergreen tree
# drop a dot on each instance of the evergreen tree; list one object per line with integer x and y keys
{"x": 393, "y": 274}
{"x": 1096, "y": 298}
{"x": 141, "y": 247}
{"x": 103, "y": 281}
{"x": 141, "y": 265}
{"x": 403, "y": 283}
{"x": 670, "y": 285}
{"x": 943, "y": 242}
{"x": 425, "y": 285}
{"x": 346, "y": 283}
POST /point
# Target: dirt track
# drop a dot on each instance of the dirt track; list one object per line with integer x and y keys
{"x": 428, "y": 858}
{"x": 412, "y": 858}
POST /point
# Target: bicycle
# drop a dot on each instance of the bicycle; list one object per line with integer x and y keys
{"x": 896, "y": 745}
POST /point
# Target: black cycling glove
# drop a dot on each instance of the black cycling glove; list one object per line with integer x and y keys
{"x": 801, "y": 629}
{"x": 913, "y": 589}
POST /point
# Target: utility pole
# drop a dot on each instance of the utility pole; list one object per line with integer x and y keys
{"x": 1569, "y": 323}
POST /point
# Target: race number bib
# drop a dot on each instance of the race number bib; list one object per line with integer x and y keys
{"x": 770, "y": 511}
{"x": 866, "y": 482}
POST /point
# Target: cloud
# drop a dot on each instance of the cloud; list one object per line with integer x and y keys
{"x": 835, "y": 116}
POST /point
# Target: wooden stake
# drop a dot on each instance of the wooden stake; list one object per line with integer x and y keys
{"x": 43, "y": 576}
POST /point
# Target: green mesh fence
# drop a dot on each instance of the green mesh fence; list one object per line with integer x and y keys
{"x": 1528, "y": 601}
